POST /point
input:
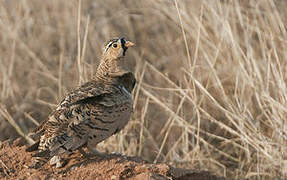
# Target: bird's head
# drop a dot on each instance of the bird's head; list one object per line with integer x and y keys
{"x": 111, "y": 64}
{"x": 116, "y": 48}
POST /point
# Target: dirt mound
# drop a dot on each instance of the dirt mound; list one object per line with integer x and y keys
{"x": 14, "y": 162}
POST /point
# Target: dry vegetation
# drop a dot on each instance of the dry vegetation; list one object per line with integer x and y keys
{"x": 211, "y": 90}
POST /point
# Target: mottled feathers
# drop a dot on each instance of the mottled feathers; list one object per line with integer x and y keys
{"x": 92, "y": 112}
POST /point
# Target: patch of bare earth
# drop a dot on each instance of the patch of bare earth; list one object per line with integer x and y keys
{"x": 14, "y": 162}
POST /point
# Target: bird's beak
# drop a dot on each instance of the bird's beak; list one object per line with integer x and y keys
{"x": 129, "y": 44}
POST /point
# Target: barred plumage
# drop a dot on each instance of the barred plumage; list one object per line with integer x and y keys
{"x": 93, "y": 112}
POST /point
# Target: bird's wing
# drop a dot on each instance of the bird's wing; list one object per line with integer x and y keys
{"x": 95, "y": 92}
{"x": 78, "y": 127}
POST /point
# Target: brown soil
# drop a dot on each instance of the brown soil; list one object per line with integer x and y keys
{"x": 14, "y": 162}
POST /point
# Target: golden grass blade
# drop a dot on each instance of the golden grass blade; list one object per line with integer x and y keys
{"x": 7, "y": 116}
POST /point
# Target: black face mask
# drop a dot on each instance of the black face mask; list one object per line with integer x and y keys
{"x": 123, "y": 42}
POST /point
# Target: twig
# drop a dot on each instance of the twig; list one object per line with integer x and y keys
{"x": 31, "y": 118}
{"x": 5, "y": 168}
{"x": 6, "y": 115}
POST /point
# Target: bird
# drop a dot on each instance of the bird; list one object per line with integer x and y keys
{"x": 90, "y": 113}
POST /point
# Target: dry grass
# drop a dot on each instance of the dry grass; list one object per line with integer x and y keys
{"x": 211, "y": 90}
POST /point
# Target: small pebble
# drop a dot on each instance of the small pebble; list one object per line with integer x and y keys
{"x": 113, "y": 177}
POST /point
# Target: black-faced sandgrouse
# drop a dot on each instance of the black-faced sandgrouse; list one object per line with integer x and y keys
{"x": 92, "y": 112}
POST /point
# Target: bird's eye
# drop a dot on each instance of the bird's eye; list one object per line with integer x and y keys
{"x": 115, "y": 45}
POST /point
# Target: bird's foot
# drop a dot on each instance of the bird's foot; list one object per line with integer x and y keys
{"x": 35, "y": 165}
{"x": 84, "y": 153}
{"x": 58, "y": 161}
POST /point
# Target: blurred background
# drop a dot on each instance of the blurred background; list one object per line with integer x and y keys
{"x": 211, "y": 91}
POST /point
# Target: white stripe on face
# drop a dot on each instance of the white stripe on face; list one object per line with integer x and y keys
{"x": 108, "y": 46}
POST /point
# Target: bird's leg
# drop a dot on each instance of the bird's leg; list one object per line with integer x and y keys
{"x": 94, "y": 152}
{"x": 88, "y": 155}
{"x": 82, "y": 151}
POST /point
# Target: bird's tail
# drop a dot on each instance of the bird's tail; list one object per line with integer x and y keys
{"x": 60, "y": 145}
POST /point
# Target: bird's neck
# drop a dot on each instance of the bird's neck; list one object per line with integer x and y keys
{"x": 109, "y": 70}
